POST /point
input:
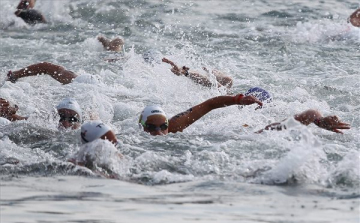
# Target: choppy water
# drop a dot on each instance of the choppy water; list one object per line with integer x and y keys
{"x": 303, "y": 52}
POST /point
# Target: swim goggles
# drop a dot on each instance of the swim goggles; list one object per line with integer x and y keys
{"x": 153, "y": 128}
{"x": 70, "y": 119}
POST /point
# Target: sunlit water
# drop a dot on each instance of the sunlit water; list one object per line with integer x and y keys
{"x": 303, "y": 53}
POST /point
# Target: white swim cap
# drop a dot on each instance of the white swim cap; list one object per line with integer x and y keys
{"x": 4, "y": 121}
{"x": 149, "y": 111}
{"x": 92, "y": 130}
{"x": 71, "y": 104}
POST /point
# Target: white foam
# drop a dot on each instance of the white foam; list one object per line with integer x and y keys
{"x": 4, "y": 121}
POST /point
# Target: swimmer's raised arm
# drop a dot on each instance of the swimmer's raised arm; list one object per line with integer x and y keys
{"x": 26, "y": 4}
{"x": 222, "y": 79}
{"x": 184, "y": 119}
{"x": 354, "y": 18}
{"x": 115, "y": 44}
{"x": 28, "y": 14}
{"x": 184, "y": 71}
{"x": 57, "y": 72}
{"x": 9, "y": 112}
{"x": 331, "y": 123}
{"x": 175, "y": 69}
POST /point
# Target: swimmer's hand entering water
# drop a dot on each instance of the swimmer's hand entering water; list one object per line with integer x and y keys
{"x": 9, "y": 112}
{"x": 331, "y": 123}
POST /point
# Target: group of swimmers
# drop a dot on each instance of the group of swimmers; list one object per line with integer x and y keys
{"x": 26, "y": 11}
{"x": 153, "y": 118}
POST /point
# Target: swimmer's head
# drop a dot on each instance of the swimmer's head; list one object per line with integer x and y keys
{"x": 154, "y": 121}
{"x": 96, "y": 129}
{"x": 116, "y": 44}
{"x": 70, "y": 113}
{"x": 260, "y": 94}
{"x": 152, "y": 56}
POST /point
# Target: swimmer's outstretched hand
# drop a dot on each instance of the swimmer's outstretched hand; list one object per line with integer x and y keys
{"x": 175, "y": 69}
{"x": 331, "y": 123}
{"x": 111, "y": 45}
{"x": 240, "y": 99}
{"x": 165, "y": 60}
{"x": 6, "y": 110}
{"x": 11, "y": 77}
{"x": 354, "y": 18}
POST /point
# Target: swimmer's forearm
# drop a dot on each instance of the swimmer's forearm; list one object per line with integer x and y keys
{"x": 39, "y": 68}
{"x": 214, "y": 103}
{"x": 306, "y": 118}
{"x": 104, "y": 41}
{"x": 223, "y": 101}
{"x": 26, "y": 4}
{"x": 219, "y": 102}
{"x": 14, "y": 118}
{"x": 184, "y": 119}
{"x": 57, "y": 72}
{"x": 165, "y": 60}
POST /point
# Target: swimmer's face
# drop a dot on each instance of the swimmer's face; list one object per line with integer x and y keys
{"x": 156, "y": 125}
{"x": 110, "y": 135}
{"x": 69, "y": 119}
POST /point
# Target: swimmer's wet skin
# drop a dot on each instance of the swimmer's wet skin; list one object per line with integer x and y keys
{"x": 354, "y": 18}
{"x": 57, "y": 72}
{"x": 68, "y": 109}
{"x": 221, "y": 78}
{"x": 28, "y": 14}
{"x": 331, "y": 123}
{"x": 154, "y": 121}
{"x": 70, "y": 113}
{"x": 31, "y": 16}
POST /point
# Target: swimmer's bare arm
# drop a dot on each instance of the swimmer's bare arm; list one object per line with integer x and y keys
{"x": 185, "y": 119}
{"x": 9, "y": 112}
{"x": 115, "y": 44}
{"x": 196, "y": 77}
{"x": 354, "y": 18}
{"x": 57, "y": 72}
{"x": 26, "y": 4}
{"x": 222, "y": 78}
{"x": 331, "y": 123}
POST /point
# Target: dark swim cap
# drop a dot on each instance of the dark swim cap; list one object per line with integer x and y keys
{"x": 260, "y": 94}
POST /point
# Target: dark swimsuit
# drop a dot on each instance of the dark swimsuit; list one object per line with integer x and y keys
{"x": 31, "y": 16}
